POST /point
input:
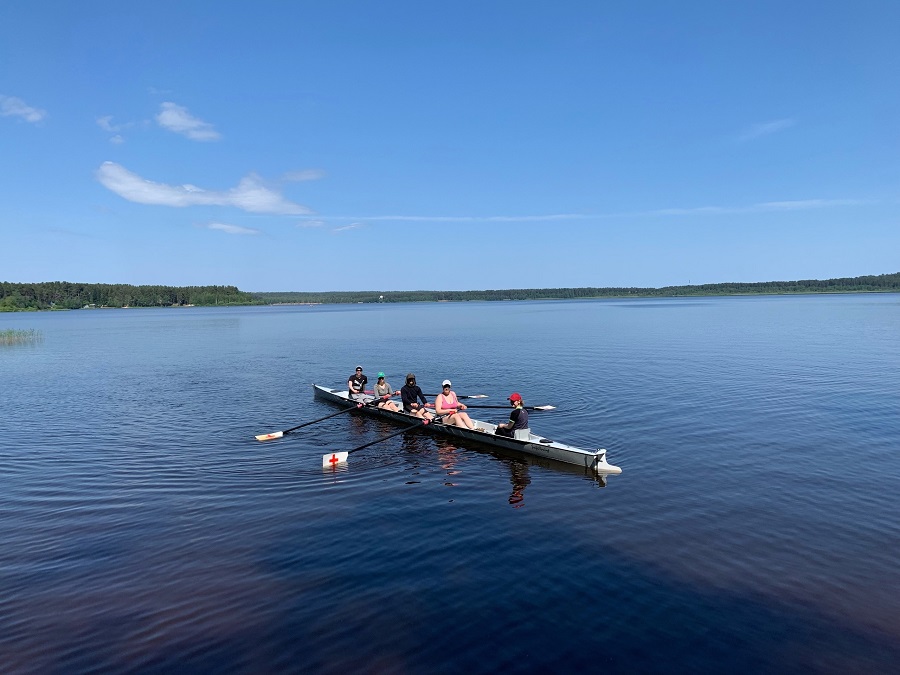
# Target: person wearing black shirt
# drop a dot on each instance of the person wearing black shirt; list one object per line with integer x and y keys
{"x": 356, "y": 385}
{"x": 518, "y": 418}
{"x": 411, "y": 395}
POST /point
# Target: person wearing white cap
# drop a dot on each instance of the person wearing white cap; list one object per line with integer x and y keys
{"x": 446, "y": 403}
{"x": 356, "y": 385}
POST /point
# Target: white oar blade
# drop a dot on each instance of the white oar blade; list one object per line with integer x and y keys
{"x": 334, "y": 458}
{"x": 270, "y": 437}
{"x": 545, "y": 407}
{"x": 475, "y": 396}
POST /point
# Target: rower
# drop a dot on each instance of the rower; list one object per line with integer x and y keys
{"x": 518, "y": 419}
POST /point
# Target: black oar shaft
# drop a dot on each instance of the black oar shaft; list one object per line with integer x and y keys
{"x": 421, "y": 423}
{"x": 321, "y": 419}
{"x": 507, "y": 407}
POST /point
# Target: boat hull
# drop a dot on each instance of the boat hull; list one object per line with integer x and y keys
{"x": 534, "y": 445}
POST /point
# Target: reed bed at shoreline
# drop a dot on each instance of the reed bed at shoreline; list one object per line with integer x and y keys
{"x": 15, "y": 336}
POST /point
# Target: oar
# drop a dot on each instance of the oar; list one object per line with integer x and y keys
{"x": 279, "y": 434}
{"x": 506, "y": 407}
{"x": 469, "y": 396}
{"x": 336, "y": 458}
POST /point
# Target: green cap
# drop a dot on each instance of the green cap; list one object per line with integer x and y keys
{"x": 380, "y": 374}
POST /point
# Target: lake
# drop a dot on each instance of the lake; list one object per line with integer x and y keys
{"x": 754, "y": 528}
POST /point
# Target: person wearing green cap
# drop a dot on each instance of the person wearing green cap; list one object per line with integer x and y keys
{"x": 384, "y": 391}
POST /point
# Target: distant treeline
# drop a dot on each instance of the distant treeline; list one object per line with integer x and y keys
{"x": 65, "y": 295}
{"x": 869, "y": 284}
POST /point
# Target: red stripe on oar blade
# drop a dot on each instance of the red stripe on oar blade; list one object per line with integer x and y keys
{"x": 334, "y": 458}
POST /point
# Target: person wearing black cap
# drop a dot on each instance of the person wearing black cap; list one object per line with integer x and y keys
{"x": 411, "y": 394}
{"x": 356, "y": 385}
{"x": 518, "y": 418}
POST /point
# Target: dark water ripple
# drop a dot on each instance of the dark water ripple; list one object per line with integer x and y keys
{"x": 143, "y": 529}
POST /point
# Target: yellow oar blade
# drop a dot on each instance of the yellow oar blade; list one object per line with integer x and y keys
{"x": 334, "y": 458}
{"x": 270, "y": 437}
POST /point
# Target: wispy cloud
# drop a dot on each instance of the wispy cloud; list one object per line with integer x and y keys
{"x": 345, "y": 228}
{"x": 177, "y": 118}
{"x": 304, "y": 175}
{"x": 472, "y": 219}
{"x": 805, "y": 204}
{"x": 231, "y": 229}
{"x": 765, "y": 129}
{"x": 106, "y": 124}
{"x": 117, "y": 140}
{"x": 795, "y": 205}
{"x": 311, "y": 223}
{"x": 10, "y": 106}
{"x": 249, "y": 195}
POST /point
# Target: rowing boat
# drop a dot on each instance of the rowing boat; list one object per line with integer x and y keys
{"x": 525, "y": 441}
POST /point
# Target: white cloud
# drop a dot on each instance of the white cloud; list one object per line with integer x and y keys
{"x": 249, "y": 195}
{"x": 177, "y": 118}
{"x": 304, "y": 175}
{"x": 117, "y": 140}
{"x": 11, "y": 106}
{"x": 311, "y": 223}
{"x": 805, "y": 204}
{"x": 796, "y": 205}
{"x": 106, "y": 124}
{"x": 232, "y": 229}
{"x": 345, "y": 228}
{"x": 765, "y": 129}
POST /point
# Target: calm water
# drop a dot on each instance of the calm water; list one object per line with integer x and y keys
{"x": 754, "y": 527}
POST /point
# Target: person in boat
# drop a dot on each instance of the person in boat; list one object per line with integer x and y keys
{"x": 518, "y": 418}
{"x": 384, "y": 391}
{"x": 413, "y": 399}
{"x": 446, "y": 403}
{"x": 356, "y": 385}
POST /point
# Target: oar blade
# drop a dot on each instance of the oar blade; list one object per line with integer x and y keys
{"x": 334, "y": 458}
{"x": 545, "y": 407}
{"x": 270, "y": 437}
{"x": 475, "y": 396}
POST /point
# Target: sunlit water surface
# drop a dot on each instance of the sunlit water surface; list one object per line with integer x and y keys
{"x": 754, "y": 527}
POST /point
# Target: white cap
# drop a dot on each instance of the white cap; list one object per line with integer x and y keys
{"x": 446, "y": 383}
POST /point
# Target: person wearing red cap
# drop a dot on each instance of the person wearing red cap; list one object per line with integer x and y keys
{"x": 518, "y": 418}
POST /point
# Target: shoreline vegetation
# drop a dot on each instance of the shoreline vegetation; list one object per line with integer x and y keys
{"x": 57, "y": 295}
{"x": 17, "y": 336}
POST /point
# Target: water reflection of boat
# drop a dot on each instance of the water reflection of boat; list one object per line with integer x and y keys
{"x": 536, "y": 448}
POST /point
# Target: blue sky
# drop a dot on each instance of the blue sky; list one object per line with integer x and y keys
{"x": 468, "y": 145}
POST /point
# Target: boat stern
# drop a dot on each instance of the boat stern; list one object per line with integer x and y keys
{"x": 600, "y": 464}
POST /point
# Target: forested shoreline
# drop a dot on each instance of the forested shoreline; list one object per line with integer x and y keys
{"x": 883, "y": 283}
{"x": 66, "y": 295}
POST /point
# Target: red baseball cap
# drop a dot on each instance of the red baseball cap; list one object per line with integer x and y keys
{"x": 515, "y": 397}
